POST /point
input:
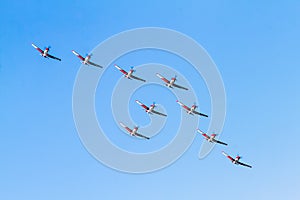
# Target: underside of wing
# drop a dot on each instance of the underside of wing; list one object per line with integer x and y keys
{"x": 217, "y": 141}
{"x": 37, "y": 48}
{"x": 159, "y": 113}
{"x": 137, "y": 78}
{"x": 121, "y": 70}
{"x": 182, "y": 105}
{"x": 205, "y": 135}
{"x": 246, "y": 165}
{"x": 201, "y": 114}
{"x": 53, "y": 57}
{"x": 141, "y": 104}
{"x": 78, "y": 55}
{"x": 228, "y": 156}
{"x": 142, "y": 136}
{"x": 124, "y": 126}
{"x": 94, "y": 64}
{"x": 178, "y": 86}
{"x": 162, "y": 78}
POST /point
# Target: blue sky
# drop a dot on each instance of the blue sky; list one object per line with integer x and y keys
{"x": 255, "y": 46}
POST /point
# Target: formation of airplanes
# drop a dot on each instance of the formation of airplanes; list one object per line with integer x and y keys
{"x": 150, "y": 109}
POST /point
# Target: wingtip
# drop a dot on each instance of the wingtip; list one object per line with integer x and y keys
{"x": 138, "y": 102}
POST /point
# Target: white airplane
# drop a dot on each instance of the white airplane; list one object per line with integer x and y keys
{"x": 45, "y": 53}
{"x": 210, "y": 138}
{"x": 191, "y": 110}
{"x": 86, "y": 60}
{"x": 150, "y": 110}
{"x": 133, "y": 132}
{"x": 236, "y": 160}
{"x": 129, "y": 74}
{"x": 171, "y": 83}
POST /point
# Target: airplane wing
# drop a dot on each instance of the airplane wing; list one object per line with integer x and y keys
{"x": 159, "y": 113}
{"x": 94, "y": 64}
{"x": 205, "y": 135}
{"x": 124, "y": 126}
{"x": 121, "y": 70}
{"x": 178, "y": 86}
{"x": 201, "y": 114}
{"x": 140, "y": 135}
{"x": 137, "y": 78}
{"x": 40, "y": 50}
{"x": 53, "y": 57}
{"x": 244, "y": 164}
{"x": 141, "y": 104}
{"x": 184, "y": 106}
{"x": 162, "y": 78}
{"x": 228, "y": 156}
{"x": 217, "y": 141}
{"x": 78, "y": 55}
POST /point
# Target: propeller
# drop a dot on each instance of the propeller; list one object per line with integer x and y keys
{"x": 90, "y": 55}
{"x": 214, "y": 132}
{"x": 195, "y": 105}
{"x": 132, "y": 69}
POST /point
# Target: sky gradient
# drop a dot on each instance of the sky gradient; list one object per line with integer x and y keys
{"x": 255, "y": 46}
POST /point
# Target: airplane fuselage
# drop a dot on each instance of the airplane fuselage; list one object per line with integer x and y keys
{"x": 86, "y": 60}
{"x": 170, "y": 84}
{"x": 129, "y": 74}
{"x": 45, "y": 53}
{"x": 134, "y": 131}
{"x": 235, "y": 161}
{"x": 150, "y": 109}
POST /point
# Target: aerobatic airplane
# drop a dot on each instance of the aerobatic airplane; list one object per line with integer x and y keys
{"x": 129, "y": 74}
{"x": 86, "y": 60}
{"x": 133, "y": 132}
{"x": 171, "y": 83}
{"x": 45, "y": 53}
{"x": 150, "y": 110}
{"x": 236, "y": 160}
{"x": 191, "y": 110}
{"x": 210, "y": 138}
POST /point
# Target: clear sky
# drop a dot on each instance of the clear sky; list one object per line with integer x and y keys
{"x": 256, "y": 47}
